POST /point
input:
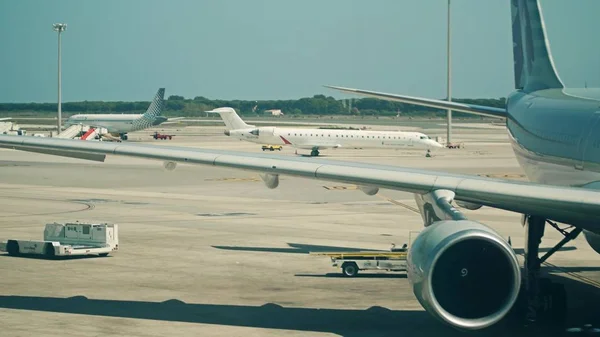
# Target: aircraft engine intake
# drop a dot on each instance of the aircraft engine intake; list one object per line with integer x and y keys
{"x": 464, "y": 273}
{"x": 593, "y": 240}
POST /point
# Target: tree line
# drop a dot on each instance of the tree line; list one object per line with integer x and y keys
{"x": 180, "y": 106}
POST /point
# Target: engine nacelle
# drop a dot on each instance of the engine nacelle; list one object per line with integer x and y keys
{"x": 593, "y": 240}
{"x": 464, "y": 273}
{"x": 369, "y": 190}
{"x": 270, "y": 180}
{"x": 468, "y": 205}
{"x": 169, "y": 165}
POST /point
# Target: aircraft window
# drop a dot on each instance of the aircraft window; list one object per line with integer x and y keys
{"x": 424, "y": 137}
{"x": 336, "y": 135}
{"x": 328, "y": 135}
{"x": 378, "y": 136}
{"x": 311, "y": 134}
{"x": 295, "y": 134}
{"x": 363, "y": 136}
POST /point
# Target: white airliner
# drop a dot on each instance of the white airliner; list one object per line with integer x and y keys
{"x": 124, "y": 123}
{"x": 319, "y": 139}
{"x": 462, "y": 272}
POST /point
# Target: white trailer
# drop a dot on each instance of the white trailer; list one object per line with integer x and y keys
{"x": 68, "y": 239}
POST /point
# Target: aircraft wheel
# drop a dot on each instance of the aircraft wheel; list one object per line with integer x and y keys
{"x": 350, "y": 269}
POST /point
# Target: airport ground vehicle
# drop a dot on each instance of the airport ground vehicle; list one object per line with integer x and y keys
{"x": 271, "y": 147}
{"x": 352, "y": 262}
{"x": 68, "y": 239}
{"x": 157, "y": 135}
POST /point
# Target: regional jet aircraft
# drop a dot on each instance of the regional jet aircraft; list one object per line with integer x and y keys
{"x": 122, "y": 124}
{"x": 461, "y": 271}
{"x": 319, "y": 139}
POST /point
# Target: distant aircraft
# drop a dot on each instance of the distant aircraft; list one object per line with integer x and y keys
{"x": 462, "y": 272}
{"x": 121, "y": 124}
{"x": 319, "y": 139}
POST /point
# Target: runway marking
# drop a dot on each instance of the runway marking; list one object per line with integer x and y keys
{"x": 88, "y": 206}
{"x": 398, "y": 203}
{"x": 503, "y": 175}
{"x": 341, "y": 188}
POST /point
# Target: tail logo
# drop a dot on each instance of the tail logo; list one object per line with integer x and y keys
{"x": 153, "y": 111}
{"x": 285, "y": 141}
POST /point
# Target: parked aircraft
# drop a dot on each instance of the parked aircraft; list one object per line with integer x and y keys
{"x": 319, "y": 139}
{"x": 122, "y": 124}
{"x": 461, "y": 271}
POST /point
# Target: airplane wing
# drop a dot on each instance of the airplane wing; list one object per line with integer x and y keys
{"x": 433, "y": 103}
{"x": 576, "y": 206}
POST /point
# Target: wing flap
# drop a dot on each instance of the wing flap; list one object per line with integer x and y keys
{"x": 432, "y": 103}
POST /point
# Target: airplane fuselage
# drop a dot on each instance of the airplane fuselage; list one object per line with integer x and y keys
{"x": 114, "y": 123}
{"x": 330, "y": 138}
{"x": 555, "y": 135}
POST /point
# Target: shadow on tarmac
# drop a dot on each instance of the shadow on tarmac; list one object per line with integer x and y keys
{"x": 359, "y": 275}
{"x": 295, "y": 248}
{"x": 54, "y": 258}
{"x": 374, "y": 321}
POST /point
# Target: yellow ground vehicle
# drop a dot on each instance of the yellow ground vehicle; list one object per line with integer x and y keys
{"x": 271, "y": 147}
{"x": 352, "y": 262}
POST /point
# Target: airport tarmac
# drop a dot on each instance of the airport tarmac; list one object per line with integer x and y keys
{"x": 207, "y": 251}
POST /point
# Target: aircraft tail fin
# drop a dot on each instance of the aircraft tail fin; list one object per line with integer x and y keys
{"x": 533, "y": 65}
{"x": 231, "y": 118}
{"x": 157, "y": 105}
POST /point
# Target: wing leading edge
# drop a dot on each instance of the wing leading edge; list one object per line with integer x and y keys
{"x": 432, "y": 103}
{"x": 575, "y": 206}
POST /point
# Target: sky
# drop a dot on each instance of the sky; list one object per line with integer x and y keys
{"x": 124, "y": 50}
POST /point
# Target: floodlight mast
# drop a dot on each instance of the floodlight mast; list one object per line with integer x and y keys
{"x": 59, "y": 27}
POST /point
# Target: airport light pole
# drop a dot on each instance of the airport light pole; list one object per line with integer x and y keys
{"x": 59, "y": 27}
{"x": 449, "y": 85}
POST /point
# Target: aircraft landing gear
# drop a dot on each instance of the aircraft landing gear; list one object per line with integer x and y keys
{"x": 544, "y": 302}
{"x": 314, "y": 153}
{"x": 123, "y": 136}
{"x": 428, "y": 154}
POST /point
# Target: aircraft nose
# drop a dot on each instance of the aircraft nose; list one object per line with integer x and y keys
{"x": 436, "y": 144}
{"x": 227, "y": 133}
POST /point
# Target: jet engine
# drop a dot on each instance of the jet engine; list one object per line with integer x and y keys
{"x": 169, "y": 165}
{"x": 464, "y": 273}
{"x": 593, "y": 240}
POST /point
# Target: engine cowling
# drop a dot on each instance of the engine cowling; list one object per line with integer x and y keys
{"x": 468, "y": 205}
{"x": 464, "y": 273}
{"x": 593, "y": 240}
